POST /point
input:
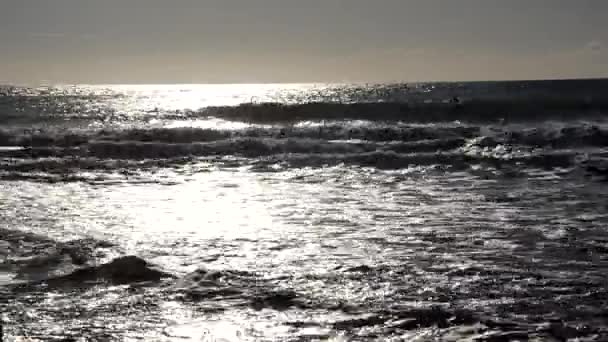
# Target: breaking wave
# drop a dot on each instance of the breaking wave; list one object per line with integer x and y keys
{"x": 552, "y": 135}
{"x": 40, "y": 154}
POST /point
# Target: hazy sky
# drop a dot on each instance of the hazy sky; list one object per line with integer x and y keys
{"x": 200, "y": 41}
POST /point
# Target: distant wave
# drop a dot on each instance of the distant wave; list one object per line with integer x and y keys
{"x": 473, "y": 111}
{"x": 424, "y": 111}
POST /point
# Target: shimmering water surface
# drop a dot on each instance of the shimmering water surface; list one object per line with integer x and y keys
{"x": 420, "y": 212}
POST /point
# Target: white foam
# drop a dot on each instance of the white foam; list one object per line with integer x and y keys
{"x": 11, "y": 148}
{"x": 6, "y": 278}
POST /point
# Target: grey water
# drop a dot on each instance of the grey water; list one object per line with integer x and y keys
{"x": 300, "y": 212}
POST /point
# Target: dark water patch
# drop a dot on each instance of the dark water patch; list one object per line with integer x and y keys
{"x": 209, "y": 284}
{"x": 72, "y": 167}
{"x": 412, "y": 319}
{"x": 597, "y": 167}
{"x": 278, "y": 300}
{"x": 248, "y": 289}
{"x": 17, "y": 236}
{"x": 29, "y": 250}
{"x": 46, "y": 178}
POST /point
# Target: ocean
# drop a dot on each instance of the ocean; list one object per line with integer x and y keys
{"x": 297, "y": 212}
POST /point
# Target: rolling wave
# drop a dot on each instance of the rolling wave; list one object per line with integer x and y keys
{"x": 455, "y": 160}
{"x": 334, "y": 131}
{"x": 562, "y": 135}
{"x": 411, "y": 109}
{"x": 474, "y": 111}
{"x": 48, "y": 154}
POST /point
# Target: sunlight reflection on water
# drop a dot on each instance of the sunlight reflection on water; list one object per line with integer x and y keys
{"x": 364, "y": 228}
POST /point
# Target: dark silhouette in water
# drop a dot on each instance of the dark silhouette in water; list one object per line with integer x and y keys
{"x": 123, "y": 270}
{"x": 120, "y": 271}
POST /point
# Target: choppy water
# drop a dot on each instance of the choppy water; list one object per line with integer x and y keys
{"x": 422, "y": 212}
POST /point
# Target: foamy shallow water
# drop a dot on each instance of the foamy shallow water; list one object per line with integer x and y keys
{"x": 325, "y": 253}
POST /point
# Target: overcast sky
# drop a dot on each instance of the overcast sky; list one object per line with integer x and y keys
{"x": 251, "y": 41}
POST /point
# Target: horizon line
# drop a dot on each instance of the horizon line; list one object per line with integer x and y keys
{"x": 43, "y": 84}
